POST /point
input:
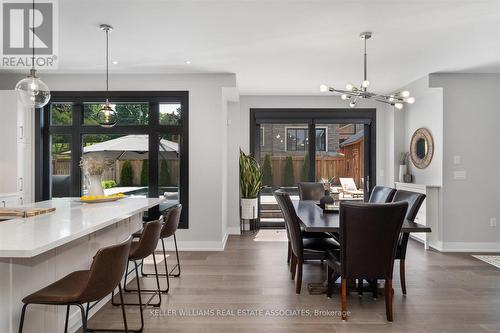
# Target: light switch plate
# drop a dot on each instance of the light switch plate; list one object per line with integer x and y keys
{"x": 457, "y": 159}
{"x": 459, "y": 175}
{"x": 493, "y": 221}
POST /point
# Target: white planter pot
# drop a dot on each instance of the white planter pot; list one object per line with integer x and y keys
{"x": 249, "y": 209}
{"x": 95, "y": 185}
{"x": 402, "y": 172}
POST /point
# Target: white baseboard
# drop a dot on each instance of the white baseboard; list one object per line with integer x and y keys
{"x": 465, "y": 247}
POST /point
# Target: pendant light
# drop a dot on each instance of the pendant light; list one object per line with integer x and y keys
{"x": 107, "y": 116}
{"x": 33, "y": 92}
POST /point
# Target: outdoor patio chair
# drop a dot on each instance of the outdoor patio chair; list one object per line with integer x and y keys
{"x": 349, "y": 187}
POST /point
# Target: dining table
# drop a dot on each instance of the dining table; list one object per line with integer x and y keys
{"x": 313, "y": 219}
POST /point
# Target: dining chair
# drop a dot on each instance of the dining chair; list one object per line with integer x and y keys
{"x": 414, "y": 201}
{"x": 301, "y": 248}
{"x": 381, "y": 194}
{"x": 369, "y": 235}
{"x": 311, "y": 191}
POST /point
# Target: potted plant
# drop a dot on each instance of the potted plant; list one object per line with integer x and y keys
{"x": 93, "y": 167}
{"x": 250, "y": 183}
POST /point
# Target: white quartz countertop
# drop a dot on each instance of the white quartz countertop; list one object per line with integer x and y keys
{"x": 29, "y": 237}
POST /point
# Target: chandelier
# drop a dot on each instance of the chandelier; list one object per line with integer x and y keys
{"x": 107, "y": 117}
{"x": 353, "y": 93}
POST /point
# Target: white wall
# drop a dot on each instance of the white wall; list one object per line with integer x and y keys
{"x": 207, "y": 141}
{"x": 427, "y": 112}
{"x": 248, "y": 102}
{"x": 471, "y": 131}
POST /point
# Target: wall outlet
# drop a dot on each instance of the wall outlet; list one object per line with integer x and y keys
{"x": 459, "y": 175}
{"x": 457, "y": 160}
{"x": 493, "y": 222}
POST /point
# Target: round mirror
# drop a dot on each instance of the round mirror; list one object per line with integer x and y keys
{"x": 421, "y": 148}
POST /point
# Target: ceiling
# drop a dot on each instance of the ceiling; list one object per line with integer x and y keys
{"x": 284, "y": 46}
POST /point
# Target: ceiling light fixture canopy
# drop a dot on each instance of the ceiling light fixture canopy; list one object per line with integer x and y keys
{"x": 32, "y": 91}
{"x": 107, "y": 116}
{"x": 353, "y": 93}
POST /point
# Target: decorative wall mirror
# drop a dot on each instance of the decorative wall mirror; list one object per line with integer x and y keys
{"x": 421, "y": 148}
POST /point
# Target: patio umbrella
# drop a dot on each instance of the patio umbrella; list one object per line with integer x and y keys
{"x": 131, "y": 147}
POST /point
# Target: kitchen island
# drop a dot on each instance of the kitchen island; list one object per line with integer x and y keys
{"x": 38, "y": 250}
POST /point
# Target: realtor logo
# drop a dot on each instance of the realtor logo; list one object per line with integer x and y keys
{"x": 20, "y": 25}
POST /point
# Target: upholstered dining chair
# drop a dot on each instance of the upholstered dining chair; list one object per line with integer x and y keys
{"x": 311, "y": 191}
{"x": 302, "y": 248}
{"x": 369, "y": 235}
{"x": 381, "y": 194}
{"x": 414, "y": 201}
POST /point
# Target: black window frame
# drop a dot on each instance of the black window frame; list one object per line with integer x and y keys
{"x": 44, "y": 129}
{"x": 306, "y": 136}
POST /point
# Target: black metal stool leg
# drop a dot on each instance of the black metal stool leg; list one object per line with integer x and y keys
{"x": 66, "y": 321}
{"x": 124, "y": 315}
{"x": 84, "y": 318}
{"x": 178, "y": 265}
{"x": 140, "y": 298}
{"x": 166, "y": 266}
{"x": 23, "y": 313}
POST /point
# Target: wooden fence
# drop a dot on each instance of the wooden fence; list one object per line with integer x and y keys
{"x": 326, "y": 167}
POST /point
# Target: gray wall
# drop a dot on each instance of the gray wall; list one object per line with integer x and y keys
{"x": 471, "y": 131}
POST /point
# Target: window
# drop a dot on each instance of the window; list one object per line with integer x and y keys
{"x": 148, "y": 146}
{"x": 297, "y": 139}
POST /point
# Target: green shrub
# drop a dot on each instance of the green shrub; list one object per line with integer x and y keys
{"x": 305, "y": 169}
{"x": 288, "y": 179}
{"x": 108, "y": 183}
{"x": 267, "y": 172}
{"x": 145, "y": 173}
{"x": 164, "y": 174}
{"x": 127, "y": 174}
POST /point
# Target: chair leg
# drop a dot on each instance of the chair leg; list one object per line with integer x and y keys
{"x": 66, "y": 320}
{"x": 298, "y": 280}
{"x": 178, "y": 261}
{"x": 84, "y": 318}
{"x": 21, "y": 323}
{"x": 293, "y": 265}
{"x": 344, "y": 298}
{"x": 124, "y": 315}
{"x": 375, "y": 289}
{"x": 402, "y": 275}
{"x": 388, "y": 298}
{"x": 289, "y": 255}
{"x": 166, "y": 265}
{"x": 329, "y": 282}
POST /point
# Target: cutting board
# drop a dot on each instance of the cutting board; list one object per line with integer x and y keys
{"x": 24, "y": 212}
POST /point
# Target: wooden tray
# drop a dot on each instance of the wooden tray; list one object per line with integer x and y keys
{"x": 102, "y": 200}
{"x": 24, "y": 212}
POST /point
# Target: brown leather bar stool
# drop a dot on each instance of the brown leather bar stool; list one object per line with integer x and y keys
{"x": 170, "y": 225}
{"x": 139, "y": 250}
{"x": 86, "y": 286}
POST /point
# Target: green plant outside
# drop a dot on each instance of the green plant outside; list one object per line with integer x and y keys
{"x": 165, "y": 179}
{"x": 145, "y": 173}
{"x": 108, "y": 183}
{"x": 267, "y": 172}
{"x": 288, "y": 178}
{"x": 127, "y": 174}
{"x": 250, "y": 176}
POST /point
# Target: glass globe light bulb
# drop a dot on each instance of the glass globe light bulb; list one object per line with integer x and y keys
{"x": 404, "y": 94}
{"x": 32, "y": 91}
{"x": 349, "y": 86}
{"x": 107, "y": 117}
{"x": 343, "y": 97}
{"x": 410, "y": 100}
{"x": 398, "y": 106}
{"x": 365, "y": 84}
{"x": 352, "y": 104}
{"x": 323, "y": 88}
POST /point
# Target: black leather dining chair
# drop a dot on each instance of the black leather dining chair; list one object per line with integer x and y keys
{"x": 311, "y": 191}
{"x": 381, "y": 194}
{"x": 369, "y": 235}
{"x": 414, "y": 201}
{"x": 302, "y": 248}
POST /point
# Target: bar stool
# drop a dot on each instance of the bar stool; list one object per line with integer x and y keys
{"x": 86, "y": 286}
{"x": 170, "y": 226}
{"x": 143, "y": 248}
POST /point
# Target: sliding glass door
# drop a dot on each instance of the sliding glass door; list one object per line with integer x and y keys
{"x": 310, "y": 145}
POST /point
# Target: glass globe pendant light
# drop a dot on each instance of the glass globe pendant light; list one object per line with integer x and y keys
{"x": 32, "y": 91}
{"x": 107, "y": 117}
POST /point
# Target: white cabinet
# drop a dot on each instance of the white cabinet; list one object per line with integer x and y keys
{"x": 428, "y": 213}
{"x": 11, "y": 200}
{"x": 15, "y": 149}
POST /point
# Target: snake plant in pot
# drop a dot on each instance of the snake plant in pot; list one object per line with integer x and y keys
{"x": 250, "y": 183}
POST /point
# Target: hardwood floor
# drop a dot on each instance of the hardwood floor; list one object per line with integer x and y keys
{"x": 446, "y": 293}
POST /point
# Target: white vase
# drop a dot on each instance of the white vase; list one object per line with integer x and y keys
{"x": 95, "y": 185}
{"x": 249, "y": 209}
{"x": 402, "y": 172}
